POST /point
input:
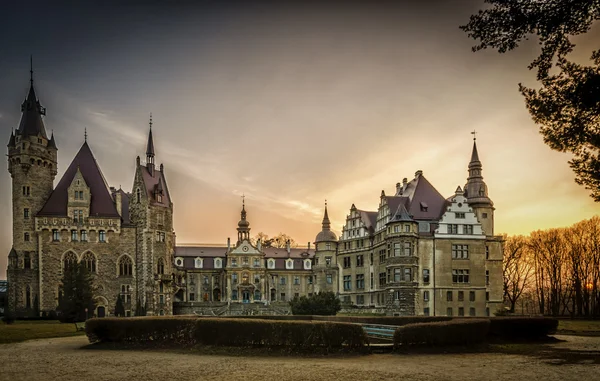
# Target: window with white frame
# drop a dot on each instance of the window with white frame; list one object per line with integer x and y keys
{"x": 307, "y": 264}
{"x": 218, "y": 263}
{"x": 271, "y": 263}
{"x": 198, "y": 263}
{"x": 289, "y": 264}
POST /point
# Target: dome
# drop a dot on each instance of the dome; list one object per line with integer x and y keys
{"x": 243, "y": 223}
{"x": 326, "y": 235}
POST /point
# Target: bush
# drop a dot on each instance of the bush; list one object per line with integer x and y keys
{"x": 454, "y": 332}
{"x": 522, "y": 327}
{"x": 8, "y": 318}
{"x": 188, "y": 331}
{"x": 384, "y": 320}
{"x": 321, "y": 303}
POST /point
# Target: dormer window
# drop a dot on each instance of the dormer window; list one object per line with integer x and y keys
{"x": 217, "y": 263}
{"x": 271, "y": 263}
{"x": 424, "y": 206}
{"x": 138, "y": 195}
{"x": 198, "y": 263}
{"x": 159, "y": 197}
{"x": 289, "y": 264}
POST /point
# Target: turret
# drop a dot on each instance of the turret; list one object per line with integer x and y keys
{"x": 477, "y": 193}
{"x": 243, "y": 226}
{"x": 150, "y": 151}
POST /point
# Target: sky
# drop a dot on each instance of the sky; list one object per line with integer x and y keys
{"x": 288, "y": 104}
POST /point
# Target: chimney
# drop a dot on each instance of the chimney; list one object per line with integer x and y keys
{"x": 287, "y": 247}
{"x": 418, "y": 173}
{"x": 118, "y": 203}
{"x": 162, "y": 168}
{"x": 258, "y": 244}
{"x": 308, "y": 245}
{"x": 404, "y": 181}
{"x": 398, "y": 188}
{"x": 137, "y": 160}
{"x": 228, "y": 243}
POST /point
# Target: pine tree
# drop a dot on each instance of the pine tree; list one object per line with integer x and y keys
{"x": 77, "y": 294}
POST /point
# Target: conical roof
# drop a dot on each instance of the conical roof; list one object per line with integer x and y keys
{"x": 52, "y": 142}
{"x": 101, "y": 203}
{"x": 402, "y": 214}
{"x": 150, "y": 145}
{"x": 11, "y": 141}
{"x": 326, "y": 234}
{"x": 31, "y": 119}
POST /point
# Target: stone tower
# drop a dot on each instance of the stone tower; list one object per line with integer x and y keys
{"x": 325, "y": 266}
{"x": 151, "y": 211}
{"x": 32, "y": 162}
{"x": 476, "y": 192}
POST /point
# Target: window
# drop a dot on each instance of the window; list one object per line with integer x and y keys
{"x": 138, "y": 195}
{"x": 256, "y": 262}
{"x": 234, "y": 295}
{"x": 448, "y": 296}
{"x": 90, "y": 261}
{"x": 487, "y": 277}
{"x": 73, "y": 235}
{"x": 198, "y": 263}
{"x": 407, "y": 274}
{"x": 296, "y": 280}
{"x": 69, "y": 260}
{"x": 467, "y": 229}
{"x": 217, "y": 263}
{"x": 271, "y": 263}
{"x": 76, "y": 195}
{"x": 347, "y": 282}
{"x": 425, "y": 296}
{"x": 407, "y": 228}
{"x": 396, "y": 250}
{"x": 397, "y": 275}
{"x": 472, "y": 311}
{"x": 449, "y": 311}
{"x": 282, "y": 298}
{"x": 359, "y": 260}
{"x": 234, "y": 278}
{"x": 360, "y": 299}
{"x": 102, "y": 236}
{"x": 192, "y": 296}
{"x": 360, "y": 281}
{"x": 461, "y": 296}
{"x": 459, "y": 215}
{"x": 471, "y": 296}
{"x": 382, "y": 256}
{"x": 372, "y": 280}
{"x": 289, "y": 264}
{"x": 460, "y": 251}
{"x": 26, "y": 237}
{"x": 84, "y": 236}
{"x": 407, "y": 249}
{"x": 160, "y": 236}
{"x": 125, "y": 266}
{"x": 159, "y": 218}
{"x": 329, "y": 279}
{"x": 487, "y": 296}
{"x": 426, "y": 311}
{"x": 160, "y": 266}
{"x": 159, "y": 197}
{"x": 28, "y": 297}
{"x": 460, "y": 276}
{"x": 487, "y": 252}
{"x": 26, "y": 213}
{"x": 205, "y": 279}
{"x": 233, "y": 262}
{"x": 452, "y": 229}
{"x": 328, "y": 261}
{"x": 461, "y": 311}
{"x": 55, "y": 235}
{"x": 425, "y": 275}
{"x": 309, "y": 279}
{"x": 245, "y": 261}
{"x": 282, "y": 281}
{"x": 26, "y": 191}
{"x": 396, "y": 229}
{"x": 27, "y": 261}
{"x": 382, "y": 279}
{"x": 328, "y": 246}
{"x": 347, "y": 262}
{"x": 484, "y": 215}
{"x": 81, "y": 195}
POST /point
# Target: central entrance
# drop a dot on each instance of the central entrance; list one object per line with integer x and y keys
{"x": 246, "y": 296}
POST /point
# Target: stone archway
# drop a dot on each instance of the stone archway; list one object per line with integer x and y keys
{"x": 101, "y": 306}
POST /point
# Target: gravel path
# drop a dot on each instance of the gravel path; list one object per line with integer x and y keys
{"x": 62, "y": 359}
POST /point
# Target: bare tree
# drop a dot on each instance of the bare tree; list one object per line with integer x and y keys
{"x": 517, "y": 270}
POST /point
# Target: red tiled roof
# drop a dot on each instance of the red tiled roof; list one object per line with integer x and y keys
{"x": 101, "y": 203}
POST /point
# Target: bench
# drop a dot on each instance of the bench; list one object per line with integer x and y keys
{"x": 80, "y": 326}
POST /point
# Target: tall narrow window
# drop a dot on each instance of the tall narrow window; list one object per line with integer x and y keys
{"x": 84, "y": 236}
{"x": 28, "y": 297}
{"x": 407, "y": 249}
{"x": 73, "y": 235}
{"x": 55, "y": 235}
{"x": 26, "y": 213}
{"x": 160, "y": 267}
{"x": 70, "y": 260}
{"x": 26, "y": 237}
{"x": 102, "y": 236}
{"x": 138, "y": 195}
{"x": 90, "y": 261}
{"x": 125, "y": 266}
{"x": 27, "y": 261}
{"x": 425, "y": 275}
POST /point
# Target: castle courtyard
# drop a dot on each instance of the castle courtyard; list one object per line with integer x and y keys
{"x": 575, "y": 358}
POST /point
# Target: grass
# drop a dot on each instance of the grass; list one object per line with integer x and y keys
{"x": 29, "y": 330}
{"x": 579, "y": 327}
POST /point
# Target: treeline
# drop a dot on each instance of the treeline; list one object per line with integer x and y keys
{"x": 558, "y": 270}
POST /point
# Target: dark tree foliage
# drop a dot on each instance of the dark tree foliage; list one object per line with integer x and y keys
{"x": 77, "y": 294}
{"x": 120, "y": 307}
{"x": 322, "y": 303}
{"x": 567, "y": 104}
{"x": 140, "y": 309}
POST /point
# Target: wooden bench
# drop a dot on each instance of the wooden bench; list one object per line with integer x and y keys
{"x": 80, "y": 326}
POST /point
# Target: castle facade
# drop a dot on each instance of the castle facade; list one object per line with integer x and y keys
{"x": 419, "y": 253}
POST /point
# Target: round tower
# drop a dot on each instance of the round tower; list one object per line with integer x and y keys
{"x": 476, "y": 192}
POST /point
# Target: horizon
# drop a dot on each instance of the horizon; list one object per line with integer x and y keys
{"x": 288, "y": 107}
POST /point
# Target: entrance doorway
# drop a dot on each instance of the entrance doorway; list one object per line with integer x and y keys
{"x": 101, "y": 311}
{"x": 273, "y": 294}
{"x": 246, "y": 296}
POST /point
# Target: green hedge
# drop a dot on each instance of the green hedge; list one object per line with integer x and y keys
{"x": 522, "y": 327}
{"x": 384, "y": 320}
{"x": 189, "y": 331}
{"x": 454, "y": 332}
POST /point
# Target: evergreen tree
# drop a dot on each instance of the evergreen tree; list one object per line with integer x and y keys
{"x": 322, "y": 303}
{"x": 120, "y": 307}
{"x": 77, "y": 294}
{"x": 140, "y": 309}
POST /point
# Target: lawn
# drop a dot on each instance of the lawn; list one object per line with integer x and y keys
{"x": 579, "y": 327}
{"x": 28, "y": 330}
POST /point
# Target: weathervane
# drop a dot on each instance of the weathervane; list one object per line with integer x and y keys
{"x": 85, "y": 134}
{"x": 150, "y": 120}
{"x": 474, "y": 133}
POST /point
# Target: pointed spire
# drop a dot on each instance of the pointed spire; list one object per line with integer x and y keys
{"x": 52, "y": 142}
{"x": 31, "y": 120}
{"x": 476, "y": 189}
{"x": 326, "y": 222}
{"x": 243, "y": 226}
{"x": 85, "y": 134}
{"x": 150, "y": 150}
{"x": 11, "y": 141}
{"x": 31, "y": 69}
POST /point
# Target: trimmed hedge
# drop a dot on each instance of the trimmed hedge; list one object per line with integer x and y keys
{"x": 455, "y": 332}
{"x": 522, "y": 327}
{"x": 384, "y": 320}
{"x": 189, "y": 331}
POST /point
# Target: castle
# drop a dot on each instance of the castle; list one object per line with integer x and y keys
{"x": 418, "y": 254}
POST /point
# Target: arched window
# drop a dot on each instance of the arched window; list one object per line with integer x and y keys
{"x": 125, "y": 266}
{"x": 138, "y": 194}
{"x": 160, "y": 267}
{"x": 90, "y": 261}
{"x": 70, "y": 260}
{"x": 27, "y": 261}
{"x": 271, "y": 263}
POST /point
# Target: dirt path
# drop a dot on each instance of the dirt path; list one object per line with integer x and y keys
{"x": 62, "y": 359}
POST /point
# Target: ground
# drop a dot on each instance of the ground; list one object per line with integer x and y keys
{"x": 577, "y": 358}
{"x": 28, "y": 330}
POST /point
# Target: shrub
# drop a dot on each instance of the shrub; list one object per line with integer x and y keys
{"x": 522, "y": 327}
{"x": 454, "y": 332}
{"x": 384, "y": 320}
{"x": 321, "y": 303}
{"x": 187, "y": 331}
